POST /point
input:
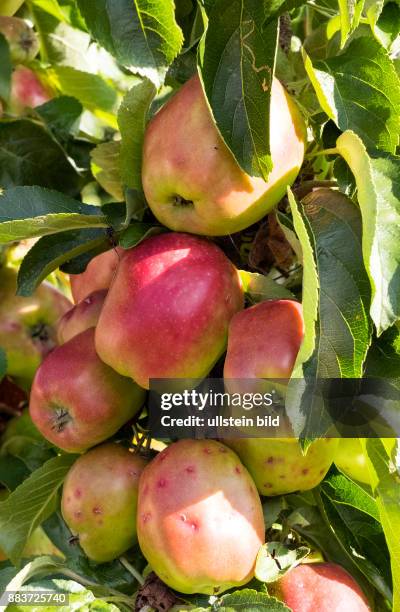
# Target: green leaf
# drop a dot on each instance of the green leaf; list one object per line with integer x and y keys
{"x": 26, "y": 212}
{"x": 105, "y": 166}
{"x": 137, "y": 232}
{"x": 132, "y": 117}
{"x": 30, "y": 504}
{"x": 248, "y": 600}
{"x": 29, "y": 156}
{"x": 38, "y": 567}
{"x": 12, "y": 471}
{"x": 5, "y": 68}
{"x": 237, "y": 62}
{"x": 274, "y": 559}
{"x": 142, "y": 35}
{"x": 345, "y": 492}
{"x": 50, "y": 252}
{"x": 342, "y": 333}
{"x": 385, "y": 480}
{"x": 383, "y": 360}
{"x": 350, "y": 13}
{"x": 360, "y": 91}
{"x": 3, "y": 363}
{"x": 387, "y": 28}
{"x": 61, "y": 115}
{"x": 378, "y": 182}
{"x": 92, "y": 91}
{"x": 259, "y": 287}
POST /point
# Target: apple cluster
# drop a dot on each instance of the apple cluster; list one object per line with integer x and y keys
{"x": 171, "y": 307}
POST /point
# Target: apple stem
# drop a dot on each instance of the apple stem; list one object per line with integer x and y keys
{"x": 132, "y": 570}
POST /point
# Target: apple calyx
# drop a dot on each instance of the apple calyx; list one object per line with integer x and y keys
{"x": 61, "y": 419}
{"x": 179, "y": 200}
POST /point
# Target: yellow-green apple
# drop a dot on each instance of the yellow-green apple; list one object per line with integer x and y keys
{"x": 22, "y": 40}
{"x": 190, "y": 178}
{"x": 99, "y": 500}
{"x": 351, "y": 460}
{"x": 28, "y": 324}
{"x": 99, "y": 274}
{"x": 27, "y": 90}
{"x": 200, "y": 519}
{"x": 319, "y": 587}
{"x": 82, "y": 316}
{"x": 168, "y": 310}
{"x": 77, "y": 401}
{"x": 263, "y": 343}
{"x": 10, "y": 7}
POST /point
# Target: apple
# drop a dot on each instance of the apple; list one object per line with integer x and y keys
{"x": 168, "y": 310}
{"x": 99, "y": 274}
{"x": 22, "y": 40}
{"x": 10, "y": 7}
{"x": 99, "y": 500}
{"x": 200, "y": 520}
{"x": 82, "y": 316}
{"x": 319, "y": 587}
{"x": 28, "y": 324}
{"x": 77, "y": 401}
{"x": 190, "y": 178}
{"x": 263, "y": 342}
{"x": 350, "y": 459}
{"x": 27, "y": 90}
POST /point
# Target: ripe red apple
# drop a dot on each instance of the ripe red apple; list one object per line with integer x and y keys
{"x": 320, "y": 587}
{"x": 263, "y": 343}
{"x": 168, "y": 310}
{"x": 99, "y": 501}
{"x": 27, "y": 90}
{"x": 77, "y": 401}
{"x": 82, "y": 316}
{"x": 22, "y": 40}
{"x": 190, "y": 178}
{"x": 28, "y": 324}
{"x": 200, "y": 520}
{"x": 98, "y": 275}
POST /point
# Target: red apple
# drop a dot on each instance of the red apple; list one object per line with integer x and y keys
{"x": 168, "y": 310}
{"x": 98, "y": 275}
{"x": 82, "y": 316}
{"x": 191, "y": 180}
{"x": 27, "y": 90}
{"x": 320, "y": 587}
{"x": 77, "y": 401}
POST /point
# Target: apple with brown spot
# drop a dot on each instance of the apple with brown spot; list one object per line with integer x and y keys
{"x": 168, "y": 310}
{"x": 200, "y": 520}
{"x": 77, "y": 401}
{"x": 82, "y": 316}
{"x": 22, "y": 40}
{"x": 264, "y": 341}
{"x": 99, "y": 500}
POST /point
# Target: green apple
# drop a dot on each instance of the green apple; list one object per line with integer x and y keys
{"x": 28, "y": 324}
{"x": 22, "y": 40}
{"x": 190, "y": 178}
{"x": 99, "y": 500}
{"x": 351, "y": 460}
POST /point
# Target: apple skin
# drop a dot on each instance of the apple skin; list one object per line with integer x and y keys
{"x": 319, "y": 587}
{"x": 173, "y": 297}
{"x": 82, "y": 316}
{"x": 99, "y": 274}
{"x": 27, "y": 90}
{"x": 77, "y": 401}
{"x": 200, "y": 519}
{"x": 22, "y": 40}
{"x": 28, "y": 324}
{"x": 104, "y": 523}
{"x": 190, "y": 178}
{"x": 350, "y": 459}
{"x": 263, "y": 343}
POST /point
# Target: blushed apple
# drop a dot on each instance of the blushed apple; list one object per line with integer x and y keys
{"x": 99, "y": 274}
{"x": 82, "y": 316}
